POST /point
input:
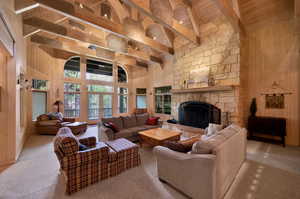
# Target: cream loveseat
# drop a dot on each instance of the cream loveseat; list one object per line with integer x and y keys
{"x": 204, "y": 176}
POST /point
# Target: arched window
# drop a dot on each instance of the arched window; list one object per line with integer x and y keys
{"x": 96, "y": 70}
{"x": 72, "y": 68}
{"x": 122, "y": 75}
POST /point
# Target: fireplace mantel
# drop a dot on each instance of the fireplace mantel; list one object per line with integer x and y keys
{"x": 204, "y": 89}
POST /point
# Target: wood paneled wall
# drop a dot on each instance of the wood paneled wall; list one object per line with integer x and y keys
{"x": 271, "y": 53}
{"x": 12, "y": 119}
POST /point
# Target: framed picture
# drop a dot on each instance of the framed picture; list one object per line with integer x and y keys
{"x": 275, "y": 101}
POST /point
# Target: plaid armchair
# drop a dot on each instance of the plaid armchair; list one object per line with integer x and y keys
{"x": 100, "y": 161}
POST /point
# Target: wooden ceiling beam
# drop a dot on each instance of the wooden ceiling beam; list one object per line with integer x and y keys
{"x": 69, "y": 47}
{"x": 175, "y": 26}
{"x": 75, "y": 12}
{"x": 230, "y": 14}
{"x": 80, "y": 36}
{"x": 120, "y": 10}
{"x": 25, "y": 5}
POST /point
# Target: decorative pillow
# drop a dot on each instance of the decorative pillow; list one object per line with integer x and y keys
{"x": 202, "y": 147}
{"x": 152, "y": 121}
{"x": 43, "y": 117}
{"x": 176, "y": 146}
{"x": 112, "y": 126}
{"x": 213, "y": 129}
{"x": 53, "y": 117}
{"x": 82, "y": 147}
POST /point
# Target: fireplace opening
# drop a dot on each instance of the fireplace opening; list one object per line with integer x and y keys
{"x": 198, "y": 114}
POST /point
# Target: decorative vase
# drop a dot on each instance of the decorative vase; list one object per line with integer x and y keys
{"x": 253, "y": 107}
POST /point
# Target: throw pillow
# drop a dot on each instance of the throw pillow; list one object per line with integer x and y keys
{"x": 152, "y": 121}
{"x": 202, "y": 147}
{"x": 112, "y": 126}
{"x": 176, "y": 146}
{"x": 82, "y": 147}
{"x": 44, "y": 117}
{"x": 213, "y": 129}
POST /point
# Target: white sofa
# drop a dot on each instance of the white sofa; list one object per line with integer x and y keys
{"x": 204, "y": 176}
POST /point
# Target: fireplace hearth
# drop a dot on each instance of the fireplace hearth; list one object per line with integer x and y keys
{"x": 198, "y": 114}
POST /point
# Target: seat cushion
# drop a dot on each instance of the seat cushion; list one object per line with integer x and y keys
{"x": 141, "y": 119}
{"x": 48, "y": 122}
{"x": 124, "y": 133}
{"x": 115, "y": 120}
{"x": 129, "y": 121}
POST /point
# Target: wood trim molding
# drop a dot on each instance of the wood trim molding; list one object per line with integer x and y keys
{"x": 7, "y": 40}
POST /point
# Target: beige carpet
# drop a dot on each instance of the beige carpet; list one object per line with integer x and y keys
{"x": 271, "y": 171}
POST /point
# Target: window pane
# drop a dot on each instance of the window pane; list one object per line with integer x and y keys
{"x": 72, "y": 68}
{"x": 107, "y": 106}
{"x": 101, "y": 71}
{"x": 159, "y": 104}
{"x": 71, "y": 87}
{"x": 167, "y": 104}
{"x": 122, "y": 76}
{"x": 39, "y": 104}
{"x": 123, "y": 91}
{"x": 141, "y": 101}
{"x": 39, "y": 84}
{"x": 94, "y": 106}
{"x": 72, "y": 105}
{"x": 161, "y": 90}
{"x": 122, "y": 103}
{"x": 100, "y": 88}
{"x": 141, "y": 91}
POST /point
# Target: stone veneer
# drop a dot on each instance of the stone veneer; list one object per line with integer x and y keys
{"x": 220, "y": 51}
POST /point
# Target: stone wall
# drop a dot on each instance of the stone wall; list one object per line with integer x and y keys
{"x": 220, "y": 51}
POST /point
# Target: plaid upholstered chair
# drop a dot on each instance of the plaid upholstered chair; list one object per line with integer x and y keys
{"x": 98, "y": 162}
{"x": 80, "y": 168}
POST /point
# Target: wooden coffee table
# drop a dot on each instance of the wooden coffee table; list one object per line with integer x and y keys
{"x": 157, "y": 136}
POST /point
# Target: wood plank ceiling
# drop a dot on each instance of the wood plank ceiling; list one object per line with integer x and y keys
{"x": 137, "y": 31}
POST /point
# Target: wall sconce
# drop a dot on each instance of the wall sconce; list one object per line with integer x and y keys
{"x": 23, "y": 82}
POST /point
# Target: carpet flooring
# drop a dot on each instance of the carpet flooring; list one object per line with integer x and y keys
{"x": 270, "y": 171}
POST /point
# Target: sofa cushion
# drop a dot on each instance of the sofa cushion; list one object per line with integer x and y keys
{"x": 141, "y": 119}
{"x": 111, "y": 126}
{"x": 48, "y": 122}
{"x": 124, "y": 133}
{"x": 129, "y": 121}
{"x": 116, "y": 120}
{"x": 202, "y": 147}
{"x": 213, "y": 129}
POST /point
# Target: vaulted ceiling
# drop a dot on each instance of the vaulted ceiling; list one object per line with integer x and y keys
{"x": 132, "y": 31}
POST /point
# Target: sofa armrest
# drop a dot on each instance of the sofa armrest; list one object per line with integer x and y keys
{"x": 194, "y": 174}
{"x": 96, "y": 154}
{"x": 89, "y": 141}
{"x": 160, "y": 123}
{"x": 109, "y": 133}
{"x": 69, "y": 119}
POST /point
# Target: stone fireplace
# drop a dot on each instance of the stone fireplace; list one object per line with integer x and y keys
{"x": 221, "y": 57}
{"x": 198, "y": 114}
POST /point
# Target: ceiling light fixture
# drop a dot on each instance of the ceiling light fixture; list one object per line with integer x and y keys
{"x": 105, "y": 15}
{"x": 154, "y": 38}
{"x": 180, "y": 22}
{"x": 80, "y": 5}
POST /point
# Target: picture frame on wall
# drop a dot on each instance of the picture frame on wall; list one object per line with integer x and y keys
{"x": 274, "y": 101}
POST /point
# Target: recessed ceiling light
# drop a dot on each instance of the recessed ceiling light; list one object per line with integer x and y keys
{"x": 154, "y": 38}
{"x": 80, "y": 5}
{"x": 105, "y": 15}
{"x": 180, "y": 22}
